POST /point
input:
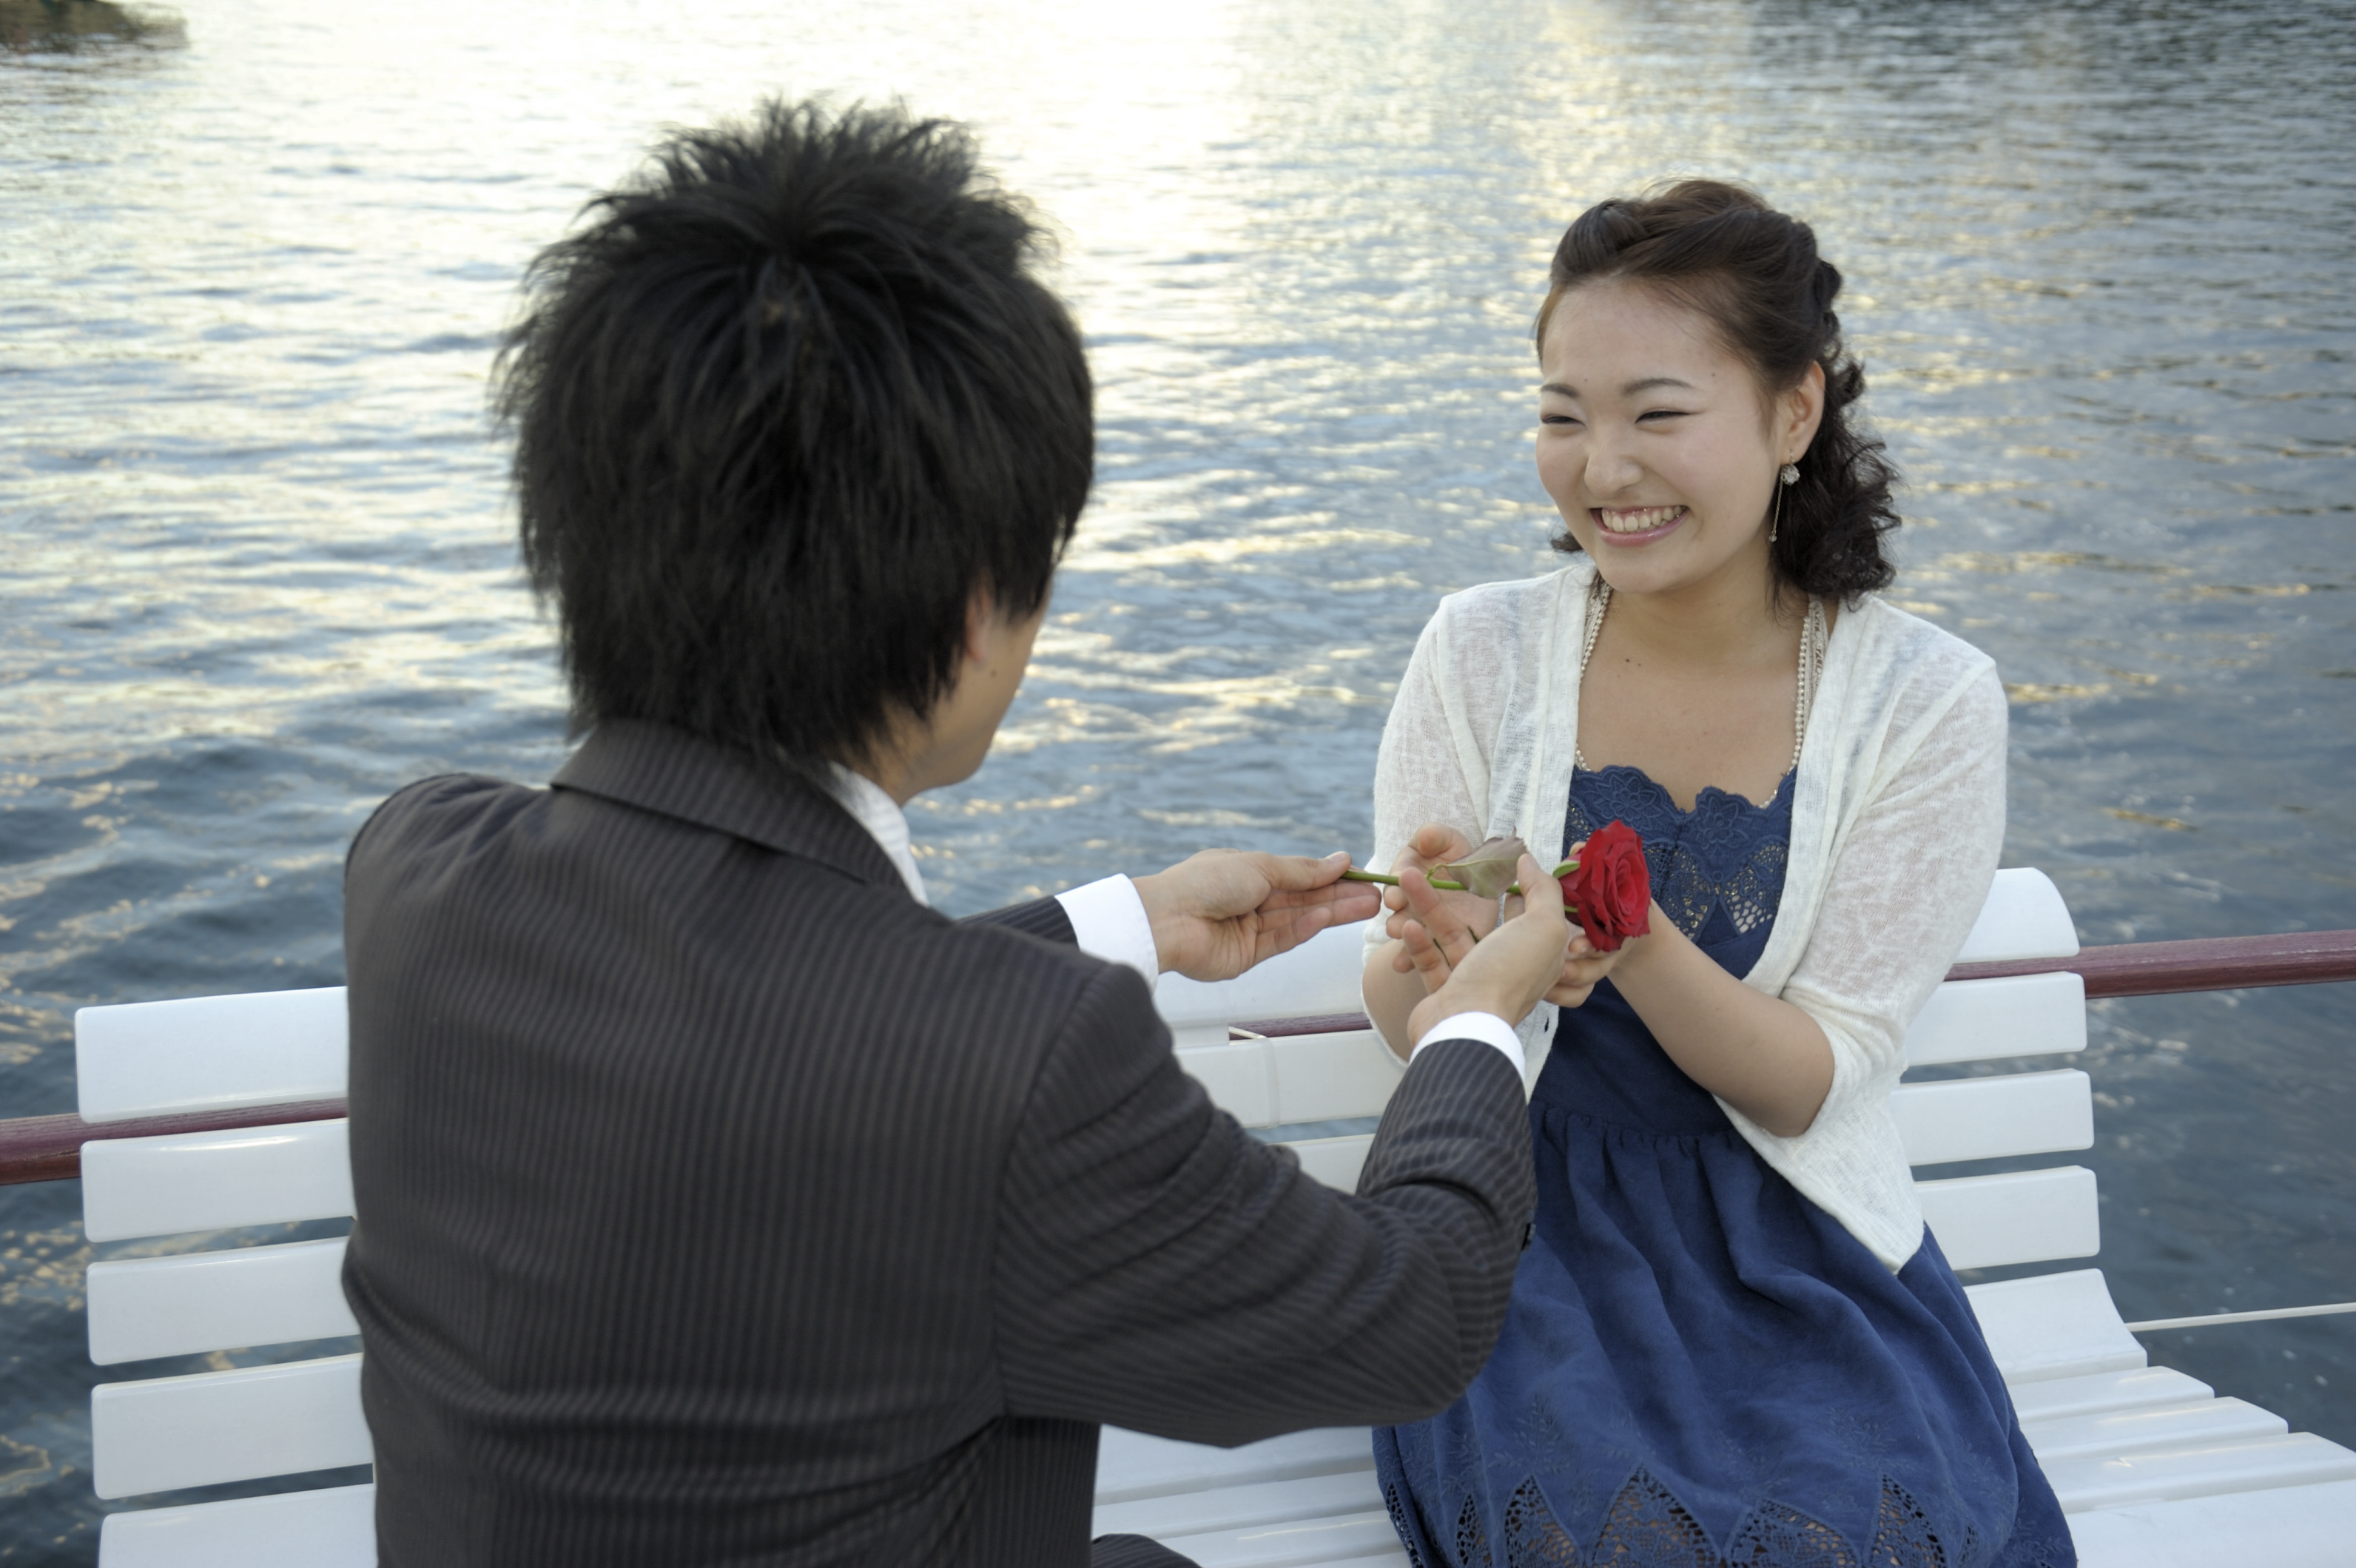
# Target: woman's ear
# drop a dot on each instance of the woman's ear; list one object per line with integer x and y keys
{"x": 1802, "y": 410}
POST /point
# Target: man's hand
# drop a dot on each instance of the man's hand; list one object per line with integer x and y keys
{"x": 1217, "y": 914}
{"x": 1509, "y": 971}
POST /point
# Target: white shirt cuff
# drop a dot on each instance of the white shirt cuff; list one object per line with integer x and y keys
{"x": 1485, "y": 1027}
{"x": 1109, "y": 920}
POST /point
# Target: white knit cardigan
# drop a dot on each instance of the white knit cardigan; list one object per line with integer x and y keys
{"x": 1897, "y": 822}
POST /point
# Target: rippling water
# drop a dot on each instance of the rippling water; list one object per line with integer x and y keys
{"x": 257, "y": 569}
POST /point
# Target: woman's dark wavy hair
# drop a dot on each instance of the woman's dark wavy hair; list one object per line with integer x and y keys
{"x": 781, "y": 408}
{"x": 1753, "y": 273}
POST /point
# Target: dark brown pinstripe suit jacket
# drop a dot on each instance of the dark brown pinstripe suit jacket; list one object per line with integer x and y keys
{"x": 720, "y": 1204}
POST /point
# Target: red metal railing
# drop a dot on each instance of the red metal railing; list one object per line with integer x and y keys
{"x": 48, "y": 1148}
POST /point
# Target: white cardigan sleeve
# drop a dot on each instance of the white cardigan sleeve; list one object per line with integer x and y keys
{"x": 1906, "y": 883}
{"x": 1432, "y": 766}
{"x": 1439, "y": 744}
{"x": 1908, "y": 876}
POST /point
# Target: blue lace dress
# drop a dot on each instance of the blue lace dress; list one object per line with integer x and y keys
{"x": 1700, "y": 1367}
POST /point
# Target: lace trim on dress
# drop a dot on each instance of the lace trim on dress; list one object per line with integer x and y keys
{"x": 1646, "y": 1527}
{"x": 1708, "y": 859}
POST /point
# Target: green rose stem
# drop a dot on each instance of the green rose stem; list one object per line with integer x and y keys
{"x": 1513, "y": 890}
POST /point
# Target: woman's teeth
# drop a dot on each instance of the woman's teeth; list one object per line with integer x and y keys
{"x": 1638, "y": 520}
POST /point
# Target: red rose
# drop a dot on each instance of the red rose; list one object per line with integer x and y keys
{"x": 1612, "y": 887}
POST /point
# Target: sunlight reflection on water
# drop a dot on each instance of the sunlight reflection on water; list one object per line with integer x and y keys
{"x": 258, "y": 568}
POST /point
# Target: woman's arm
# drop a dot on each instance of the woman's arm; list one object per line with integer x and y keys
{"x": 1392, "y": 984}
{"x": 1431, "y": 787}
{"x": 1911, "y": 875}
{"x": 1759, "y": 1053}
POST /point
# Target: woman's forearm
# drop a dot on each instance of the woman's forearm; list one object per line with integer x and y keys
{"x": 1390, "y": 996}
{"x": 1760, "y": 1055}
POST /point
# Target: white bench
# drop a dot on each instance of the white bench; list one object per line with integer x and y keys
{"x": 2153, "y": 1468}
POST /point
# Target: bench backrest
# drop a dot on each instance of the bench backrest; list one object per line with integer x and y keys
{"x": 159, "y": 1434}
{"x": 1269, "y": 1079}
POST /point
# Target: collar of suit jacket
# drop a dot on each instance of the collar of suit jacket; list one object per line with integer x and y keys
{"x": 658, "y": 769}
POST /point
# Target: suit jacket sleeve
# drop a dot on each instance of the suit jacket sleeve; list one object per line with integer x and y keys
{"x": 1160, "y": 1269}
{"x": 1042, "y": 918}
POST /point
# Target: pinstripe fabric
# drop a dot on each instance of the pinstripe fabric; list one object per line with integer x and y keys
{"x": 718, "y": 1203}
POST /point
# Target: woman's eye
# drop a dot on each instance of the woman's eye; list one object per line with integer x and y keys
{"x": 1660, "y": 413}
{"x": 1556, "y": 419}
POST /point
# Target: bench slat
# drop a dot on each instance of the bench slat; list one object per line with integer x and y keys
{"x": 2302, "y": 1527}
{"x": 1344, "y": 1538}
{"x": 1320, "y": 975}
{"x": 1322, "y": 1077}
{"x": 215, "y": 1181}
{"x": 165, "y": 1433}
{"x": 210, "y": 1053}
{"x": 2053, "y": 1327}
{"x": 2024, "y": 917}
{"x": 1234, "y": 1507}
{"x": 2012, "y": 1015}
{"x": 333, "y": 1527}
{"x": 2150, "y": 1429}
{"x": 1235, "y": 1075}
{"x": 1989, "y": 1118}
{"x": 1336, "y": 1162}
{"x": 145, "y": 1307}
{"x": 2022, "y": 1217}
{"x": 2247, "y": 1465}
{"x": 1131, "y": 1466}
{"x": 2053, "y": 1398}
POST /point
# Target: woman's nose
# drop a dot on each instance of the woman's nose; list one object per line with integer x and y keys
{"x": 1611, "y": 468}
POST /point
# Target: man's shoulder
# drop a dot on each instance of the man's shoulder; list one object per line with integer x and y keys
{"x": 454, "y": 795}
{"x": 448, "y": 853}
{"x": 432, "y": 809}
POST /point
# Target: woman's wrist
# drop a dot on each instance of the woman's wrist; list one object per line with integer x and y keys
{"x": 1390, "y": 996}
{"x": 1639, "y": 955}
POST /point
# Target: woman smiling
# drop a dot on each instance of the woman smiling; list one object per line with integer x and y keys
{"x": 1731, "y": 1338}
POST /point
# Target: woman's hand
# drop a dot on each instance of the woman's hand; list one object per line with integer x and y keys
{"x": 1437, "y": 843}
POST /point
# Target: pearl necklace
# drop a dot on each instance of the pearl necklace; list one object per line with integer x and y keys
{"x": 1811, "y": 664}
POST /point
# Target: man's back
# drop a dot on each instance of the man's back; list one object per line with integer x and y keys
{"x": 719, "y": 1202}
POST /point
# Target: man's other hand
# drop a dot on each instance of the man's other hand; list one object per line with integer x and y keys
{"x": 1217, "y": 914}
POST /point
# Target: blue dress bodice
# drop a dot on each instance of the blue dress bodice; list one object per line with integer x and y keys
{"x": 1699, "y": 1366}
{"x": 1717, "y": 872}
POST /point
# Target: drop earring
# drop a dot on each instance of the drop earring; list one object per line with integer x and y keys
{"x": 1789, "y": 473}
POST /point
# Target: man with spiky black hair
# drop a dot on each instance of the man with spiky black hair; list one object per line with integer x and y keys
{"x": 718, "y": 1200}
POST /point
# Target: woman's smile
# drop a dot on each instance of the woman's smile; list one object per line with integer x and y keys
{"x": 1635, "y": 524}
